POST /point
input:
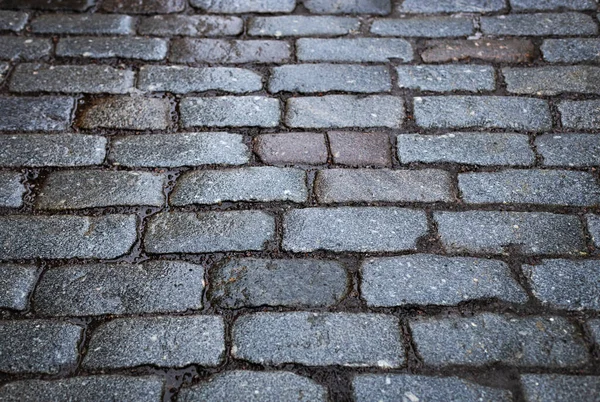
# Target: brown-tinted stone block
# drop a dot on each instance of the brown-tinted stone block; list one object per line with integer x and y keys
{"x": 75, "y": 5}
{"x": 358, "y": 149}
{"x": 510, "y": 51}
{"x": 143, "y": 6}
{"x": 309, "y": 148}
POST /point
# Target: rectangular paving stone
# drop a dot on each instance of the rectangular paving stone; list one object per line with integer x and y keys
{"x": 12, "y": 20}
{"x": 24, "y": 48}
{"x": 491, "y": 338}
{"x": 251, "y": 184}
{"x": 206, "y": 232}
{"x": 358, "y": 229}
{"x": 66, "y": 236}
{"x": 379, "y": 7}
{"x": 43, "y": 113}
{"x": 11, "y": 189}
{"x": 577, "y": 150}
{"x": 355, "y": 50}
{"x": 494, "y": 50}
{"x": 584, "y": 115}
{"x": 311, "y": 78}
{"x": 248, "y": 6}
{"x": 535, "y": 186}
{"x": 573, "y": 50}
{"x": 345, "y": 111}
{"x": 252, "y": 282}
{"x": 159, "y": 341}
{"x": 427, "y": 27}
{"x": 95, "y": 388}
{"x": 174, "y": 150}
{"x": 493, "y": 231}
{"x": 520, "y": 5}
{"x": 485, "y": 149}
{"x": 107, "y": 47}
{"x": 291, "y": 148}
{"x": 451, "y": 6}
{"x": 593, "y": 225}
{"x": 368, "y": 185}
{"x": 190, "y": 25}
{"x": 426, "y": 279}
{"x": 483, "y": 112}
{"x": 128, "y": 113}
{"x": 565, "y": 284}
{"x": 319, "y": 339}
{"x": 557, "y": 387}
{"x": 38, "y": 150}
{"x": 95, "y": 289}
{"x": 228, "y": 51}
{"x": 553, "y": 80}
{"x": 354, "y": 148}
{"x": 396, "y": 387}
{"x": 75, "y": 189}
{"x": 77, "y": 24}
{"x": 71, "y": 79}
{"x": 16, "y": 284}
{"x": 302, "y": 25}
{"x": 38, "y": 346}
{"x": 143, "y": 7}
{"x": 72, "y": 5}
{"x": 540, "y": 24}
{"x": 230, "y": 111}
{"x": 473, "y": 78}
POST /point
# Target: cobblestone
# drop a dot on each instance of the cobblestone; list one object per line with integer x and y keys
{"x": 290, "y": 148}
{"x": 563, "y": 24}
{"x": 353, "y": 148}
{"x": 507, "y": 50}
{"x": 380, "y": 7}
{"x": 190, "y": 25}
{"x": 520, "y": 5}
{"x": 4, "y": 67}
{"x": 556, "y": 387}
{"x": 553, "y": 80}
{"x": 447, "y": 78}
{"x": 301, "y": 25}
{"x": 451, "y": 6}
{"x": 582, "y": 115}
{"x": 593, "y": 224}
{"x": 427, "y": 27}
{"x": 42, "y": 113}
{"x": 225, "y": 111}
{"x": 24, "y": 48}
{"x": 11, "y": 190}
{"x": 128, "y": 113}
{"x": 72, "y": 5}
{"x": 228, "y": 51}
{"x": 353, "y": 50}
{"x": 594, "y": 326}
{"x": 571, "y": 50}
{"x": 578, "y": 150}
{"x": 252, "y": 6}
{"x": 16, "y": 284}
{"x": 99, "y": 48}
{"x": 75, "y": 24}
{"x": 143, "y": 7}
{"x": 12, "y": 20}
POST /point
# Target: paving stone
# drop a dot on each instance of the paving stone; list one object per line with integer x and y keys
{"x": 159, "y": 341}
{"x": 319, "y": 339}
{"x": 3, "y": 70}
{"x": 38, "y": 150}
{"x": 248, "y": 6}
{"x": 436, "y": 280}
{"x": 491, "y": 338}
{"x": 483, "y": 112}
{"x": 358, "y": 229}
{"x": 255, "y": 183}
{"x": 302, "y": 25}
{"x": 71, "y": 79}
{"x": 593, "y": 224}
{"x": 574, "y": 50}
{"x": 536, "y": 186}
{"x": 553, "y": 80}
{"x": 38, "y": 346}
{"x": 252, "y": 282}
{"x": 43, "y": 113}
{"x": 190, "y": 25}
{"x": 99, "y": 47}
{"x": 290, "y": 148}
{"x": 16, "y": 284}
{"x": 183, "y": 149}
{"x": 311, "y": 78}
{"x": 129, "y": 113}
{"x": 84, "y": 24}
{"x": 71, "y": 5}
{"x": 66, "y": 236}
{"x": 356, "y": 50}
{"x": 95, "y": 289}
{"x": 333, "y": 111}
{"x": 540, "y": 24}
{"x": 577, "y": 150}
{"x": 228, "y": 51}
{"x": 206, "y": 232}
{"x": 24, "y": 48}
{"x": 594, "y": 326}
{"x": 402, "y": 387}
{"x": 12, "y": 20}
{"x": 486, "y": 149}
{"x": 379, "y": 7}
{"x": 583, "y": 115}
{"x": 369, "y": 185}
{"x": 74, "y": 189}
{"x": 234, "y": 111}
{"x": 143, "y": 7}
{"x": 11, "y": 190}
{"x": 520, "y": 5}
{"x": 360, "y": 149}
{"x": 556, "y": 387}
{"x": 95, "y": 388}
{"x": 447, "y": 78}
{"x": 492, "y": 231}
{"x": 451, "y": 6}
{"x": 428, "y": 27}
{"x": 254, "y": 386}
{"x": 494, "y": 50}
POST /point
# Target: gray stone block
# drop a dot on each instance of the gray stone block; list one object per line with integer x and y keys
{"x": 451, "y": 6}
{"x": 77, "y": 24}
{"x": 593, "y": 225}
{"x": 11, "y": 189}
{"x": 238, "y": 7}
{"x": 226, "y": 111}
{"x": 379, "y": 7}
{"x": 540, "y": 24}
{"x": 553, "y": 80}
{"x": 354, "y": 50}
{"x": 24, "y": 48}
{"x": 104, "y": 47}
{"x": 302, "y": 25}
{"x": 190, "y": 25}
{"x": 557, "y": 387}
{"x": 577, "y": 150}
{"x": 427, "y": 27}
{"x": 12, "y": 20}
{"x": 574, "y": 50}
{"x": 473, "y": 78}
{"x": 584, "y": 115}
{"x": 128, "y": 113}
{"x": 223, "y": 51}
{"x": 42, "y": 113}
{"x": 143, "y": 7}
{"x": 594, "y": 327}
{"x": 16, "y": 284}
{"x": 520, "y": 5}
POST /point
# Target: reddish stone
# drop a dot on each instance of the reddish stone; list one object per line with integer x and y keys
{"x": 308, "y": 148}
{"x": 360, "y": 149}
{"x": 510, "y": 50}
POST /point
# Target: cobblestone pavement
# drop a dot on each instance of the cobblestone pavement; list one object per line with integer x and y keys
{"x": 299, "y": 200}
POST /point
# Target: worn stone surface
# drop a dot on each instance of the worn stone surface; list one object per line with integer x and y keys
{"x": 77, "y": 24}
{"x": 360, "y": 149}
{"x": 41, "y": 113}
{"x": 319, "y": 339}
{"x": 228, "y": 51}
{"x": 556, "y": 387}
{"x": 553, "y": 4}
{"x": 71, "y": 5}
{"x": 571, "y": 50}
{"x": 190, "y": 25}
{"x": 583, "y": 115}
{"x": 577, "y": 150}
{"x": 359, "y": 229}
{"x": 447, "y": 78}
{"x": 163, "y": 341}
{"x": 353, "y": 50}
{"x": 143, "y": 7}
{"x": 291, "y": 148}
{"x": 593, "y": 224}
{"x": 302, "y": 25}
{"x": 129, "y": 113}
{"x": 251, "y": 6}
{"x": 24, "y": 48}
{"x": 494, "y": 50}
{"x": 106, "y": 47}
{"x": 11, "y": 189}
{"x": 553, "y": 80}
{"x": 451, "y": 6}
{"x": 562, "y": 24}
{"x": 425, "y": 279}
{"x": 428, "y": 27}
{"x": 230, "y": 111}
{"x": 594, "y": 326}
{"x": 3, "y": 70}
{"x": 16, "y": 284}
{"x": 12, "y": 20}
{"x": 252, "y": 282}
{"x": 380, "y": 7}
